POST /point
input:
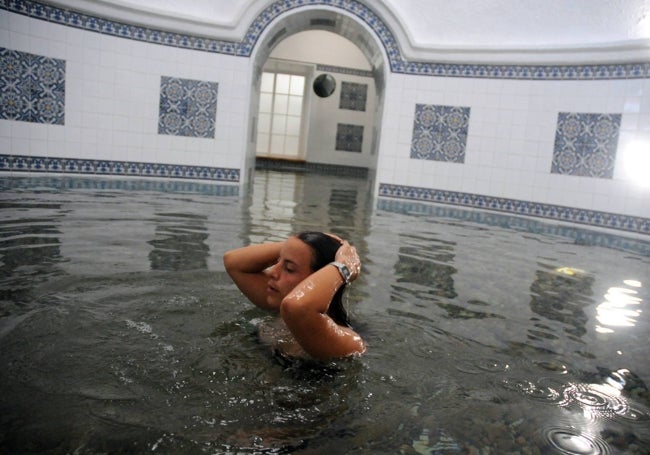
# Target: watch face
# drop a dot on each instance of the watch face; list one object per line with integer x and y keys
{"x": 343, "y": 270}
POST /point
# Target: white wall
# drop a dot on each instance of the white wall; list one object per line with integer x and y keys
{"x": 511, "y": 139}
{"x": 319, "y": 46}
{"x": 112, "y": 95}
{"x": 324, "y": 117}
{"x": 323, "y": 114}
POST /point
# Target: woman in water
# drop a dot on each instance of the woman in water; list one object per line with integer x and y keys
{"x": 302, "y": 278}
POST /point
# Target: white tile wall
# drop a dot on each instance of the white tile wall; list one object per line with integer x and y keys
{"x": 112, "y": 97}
{"x": 511, "y": 139}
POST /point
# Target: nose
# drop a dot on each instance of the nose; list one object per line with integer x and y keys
{"x": 273, "y": 270}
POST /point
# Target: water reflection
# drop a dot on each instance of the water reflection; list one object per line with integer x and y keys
{"x": 180, "y": 242}
{"x": 29, "y": 246}
{"x": 170, "y": 362}
{"x": 560, "y": 295}
{"x": 590, "y": 408}
{"x": 621, "y": 307}
{"x": 423, "y": 270}
{"x": 284, "y": 203}
{"x": 272, "y": 208}
{"x": 342, "y": 206}
{"x": 426, "y": 262}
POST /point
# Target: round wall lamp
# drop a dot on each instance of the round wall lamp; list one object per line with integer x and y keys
{"x": 324, "y": 85}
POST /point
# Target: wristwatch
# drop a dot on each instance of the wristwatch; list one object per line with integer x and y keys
{"x": 343, "y": 270}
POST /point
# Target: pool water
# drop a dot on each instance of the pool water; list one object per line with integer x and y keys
{"x": 120, "y": 331}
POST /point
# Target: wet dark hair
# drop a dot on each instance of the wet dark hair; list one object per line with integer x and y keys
{"x": 324, "y": 248}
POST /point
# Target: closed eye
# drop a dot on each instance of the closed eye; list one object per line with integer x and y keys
{"x": 290, "y": 266}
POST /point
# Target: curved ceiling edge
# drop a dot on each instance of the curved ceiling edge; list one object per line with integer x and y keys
{"x": 160, "y": 19}
{"x": 617, "y": 62}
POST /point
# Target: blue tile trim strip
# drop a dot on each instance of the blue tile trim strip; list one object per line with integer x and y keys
{"x": 398, "y": 63}
{"x": 93, "y": 183}
{"x": 582, "y": 236}
{"x": 80, "y": 166}
{"x": 343, "y": 70}
{"x": 517, "y": 207}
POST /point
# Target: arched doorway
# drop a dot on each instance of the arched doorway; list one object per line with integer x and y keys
{"x": 341, "y": 129}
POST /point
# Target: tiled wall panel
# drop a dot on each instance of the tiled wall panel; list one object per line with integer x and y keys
{"x": 349, "y": 138}
{"x": 440, "y": 133}
{"x": 32, "y": 87}
{"x": 585, "y": 144}
{"x": 187, "y": 107}
{"x": 113, "y": 101}
{"x": 353, "y": 96}
{"x": 559, "y": 143}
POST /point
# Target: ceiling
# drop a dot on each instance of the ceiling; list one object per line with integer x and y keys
{"x": 429, "y": 29}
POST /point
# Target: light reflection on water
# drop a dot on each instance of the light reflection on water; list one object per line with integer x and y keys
{"x": 120, "y": 331}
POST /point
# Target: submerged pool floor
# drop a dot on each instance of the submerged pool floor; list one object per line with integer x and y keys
{"x": 120, "y": 331}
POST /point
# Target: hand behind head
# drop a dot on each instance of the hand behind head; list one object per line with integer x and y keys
{"x": 347, "y": 254}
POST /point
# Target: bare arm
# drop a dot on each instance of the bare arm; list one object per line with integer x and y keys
{"x": 304, "y": 310}
{"x": 246, "y": 266}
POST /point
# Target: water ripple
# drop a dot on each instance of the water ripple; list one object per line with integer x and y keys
{"x": 635, "y": 413}
{"x": 553, "y": 366}
{"x": 483, "y": 365}
{"x": 534, "y": 391}
{"x": 594, "y": 400}
{"x": 574, "y": 442}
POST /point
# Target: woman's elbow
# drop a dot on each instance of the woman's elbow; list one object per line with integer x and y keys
{"x": 292, "y": 309}
{"x": 229, "y": 260}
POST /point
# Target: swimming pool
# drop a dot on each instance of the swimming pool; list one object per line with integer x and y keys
{"x": 121, "y": 333}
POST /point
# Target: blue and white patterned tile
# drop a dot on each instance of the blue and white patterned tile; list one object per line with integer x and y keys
{"x": 365, "y": 14}
{"x": 585, "y": 144}
{"x": 37, "y": 164}
{"x": 187, "y": 107}
{"x": 593, "y": 218}
{"x": 32, "y": 88}
{"x": 353, "y": 96}
{"x": 349, "y": 138}
{"x": 440, "y": 133}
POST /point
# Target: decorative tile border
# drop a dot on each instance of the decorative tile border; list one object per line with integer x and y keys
{"x": 582, "y": 236}
{"x": 187, "y": 107}
{"x": 440, "y": 133}
{"x": 349, "y": 138}
{"x": 585, "y": 144}
{"x": 80, "y": 166}
{"x": 517, "y": 207}
{"x": 91, "y": 183}
{"x": 344, "y": 70}
{"x": 32, "y": 87}
{"x": 398, "y": 63}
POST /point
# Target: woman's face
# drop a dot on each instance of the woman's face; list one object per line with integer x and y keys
{"x": 293, "y": 266}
